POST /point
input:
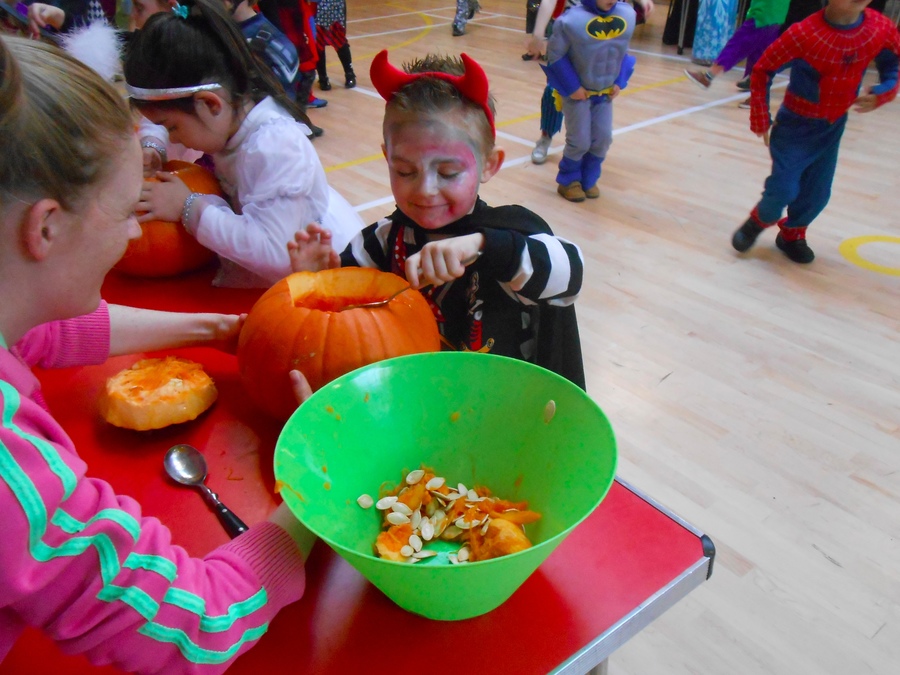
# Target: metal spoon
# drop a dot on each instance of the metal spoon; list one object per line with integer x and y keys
{"x": 381, "y": 303}
{"x": 185, "y": 464}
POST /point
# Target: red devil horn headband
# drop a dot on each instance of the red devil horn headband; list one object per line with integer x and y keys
{"x": 472, "y": 84}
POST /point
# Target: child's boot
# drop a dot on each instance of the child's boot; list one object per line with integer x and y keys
{"x": 572, "y": 191}
{"x": 792, "y": 242}
{"x": 347, "y": 62}
{"x": 746, "y": 234}
{"x": 592, "y": 192}
{"x": 322, "y": 71}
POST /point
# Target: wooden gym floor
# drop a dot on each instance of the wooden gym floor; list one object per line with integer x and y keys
{"x": 757, "y": 398}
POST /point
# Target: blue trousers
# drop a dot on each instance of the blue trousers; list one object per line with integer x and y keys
{"x": 588, "y": 137}
{"x": 804, "y": 156}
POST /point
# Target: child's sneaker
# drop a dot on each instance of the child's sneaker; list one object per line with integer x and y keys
{"x": 743, "y": 85}
{"x": 572, "y": 191}
{"x": 315, "y": 102}
{"x": 539, "y": 154}
{"x": 592, "y": 192}
{"x": 701, "y": 79}
{"x": 746, "y": 234}
{"x": 745, "y": 104}
{"x": 797, "y": 250}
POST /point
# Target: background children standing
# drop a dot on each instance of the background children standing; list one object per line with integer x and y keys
{"x": 829, "y": 53}
{"x": 588, "y": 65}
{"x": 331, "y": 29}
{"x": 759, "y": 30}
{"x": 497, "y": 279}
{"x": 196, "y": 77}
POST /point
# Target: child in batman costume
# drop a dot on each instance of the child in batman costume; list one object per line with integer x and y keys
{"x": 588, "y": 65}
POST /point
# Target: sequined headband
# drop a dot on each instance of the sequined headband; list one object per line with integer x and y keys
{"x": 472, "y": 84}
{"x": 169, "y": 93}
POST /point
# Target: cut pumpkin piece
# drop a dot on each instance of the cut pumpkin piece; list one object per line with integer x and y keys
{"x": 156, "y": 393}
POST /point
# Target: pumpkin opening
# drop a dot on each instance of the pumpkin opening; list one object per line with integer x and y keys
{"x": 337, "y": 292}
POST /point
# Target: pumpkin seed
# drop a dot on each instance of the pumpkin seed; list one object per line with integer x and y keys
{"x": 416, "y": 542}
{"x": 427, "y": 529}
{"x": 385, "y": 503}
{"x": 461, "y": 488}
{"x": 462, "y": 524}
{"x": 414, "y": 477}
{"x": 406, "y": 551}
{"x": 472, "y": 496}
{"x": 416, "y": 519}
{"x": 484, "y": 528}
{"x": 549, "y": 411}
{"x": 419, "y": 555}
{"x": 400, "y": 507}
{"x": 462, "y": 554}
{"x": 395, "y": 518}
{"x": 365, "y": 501}
{"x": 451, "y": 532}
{"x": 434, "y": 483}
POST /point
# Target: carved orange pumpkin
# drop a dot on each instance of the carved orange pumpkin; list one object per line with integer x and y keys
{"x": 165, "y": 249}
{"x": 310, "y": 321}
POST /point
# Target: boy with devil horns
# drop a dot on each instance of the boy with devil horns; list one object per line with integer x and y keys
{"x": 496, "y": 278}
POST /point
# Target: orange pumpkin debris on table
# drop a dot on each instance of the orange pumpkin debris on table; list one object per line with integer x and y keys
{"x": 312, "y": 322}
{"x": 164, "y": 248}
{"x": 155, "y": 393}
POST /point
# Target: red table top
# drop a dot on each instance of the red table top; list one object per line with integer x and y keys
{"x": 626, "y": 551}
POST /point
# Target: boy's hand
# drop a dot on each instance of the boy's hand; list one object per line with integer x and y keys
{"x": 579, "y": 94}
{"x": 866, "y": 103}
{"x": 646, "y": 5}
{"x": 163, "y": 200}
{"x": 300, "y": 386}
{"x": 444, "y": 260}
{"x": 41, "y": 15}
{"x": 311, "y": 250}
{"x": 616, "y": 90}
{"x": 535, "y": 45}
{"x": 765, "y": 136}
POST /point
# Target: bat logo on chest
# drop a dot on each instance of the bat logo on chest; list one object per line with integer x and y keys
{"x": 606, "y": 27}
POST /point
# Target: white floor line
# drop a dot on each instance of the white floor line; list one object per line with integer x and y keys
{"x": 616, "y": 132}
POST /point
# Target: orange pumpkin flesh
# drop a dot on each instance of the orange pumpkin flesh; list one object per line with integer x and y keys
{"x": 166, "y": 249}
{"x": 155, "y": 393}
{"x": 503, "y": 535}
{"x": 308, "y": 321}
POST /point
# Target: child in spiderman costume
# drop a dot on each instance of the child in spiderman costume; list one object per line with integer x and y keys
{"x": 828, "y": 54}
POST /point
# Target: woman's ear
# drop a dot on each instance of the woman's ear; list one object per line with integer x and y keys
{"x": 39, "y": 227}
{"x": 492, "y": 163}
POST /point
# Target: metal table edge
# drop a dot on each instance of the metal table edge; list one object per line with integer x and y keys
{"x": 599, "y": 650}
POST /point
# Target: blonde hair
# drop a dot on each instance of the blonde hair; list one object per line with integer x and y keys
{"x": 430, "y": 96}
{"x": 61, "y": 124}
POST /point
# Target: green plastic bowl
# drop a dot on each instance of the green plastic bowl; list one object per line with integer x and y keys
{"x": 473, "y": 418}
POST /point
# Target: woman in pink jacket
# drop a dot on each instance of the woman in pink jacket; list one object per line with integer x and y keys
{"x": 76, "y": 560}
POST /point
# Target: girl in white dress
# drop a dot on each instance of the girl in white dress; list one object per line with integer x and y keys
{"x": 191, "y": 72}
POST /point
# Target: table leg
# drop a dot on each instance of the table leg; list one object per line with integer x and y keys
{"x": 600, "y": 669}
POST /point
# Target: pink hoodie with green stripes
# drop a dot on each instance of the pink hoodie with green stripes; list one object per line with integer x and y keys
{"x": 80, "y": 563}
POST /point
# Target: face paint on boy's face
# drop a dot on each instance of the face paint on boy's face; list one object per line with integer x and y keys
{"x": 435, "y": 169}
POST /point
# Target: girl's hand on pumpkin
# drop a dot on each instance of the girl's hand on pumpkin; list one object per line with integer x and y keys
{"x": 311, "y": 250}
{"x": 443, "y": 260}
{"x": 226, "y": 331}
{"x": 152, "y": 162}
{"x": 162, "y": 199}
